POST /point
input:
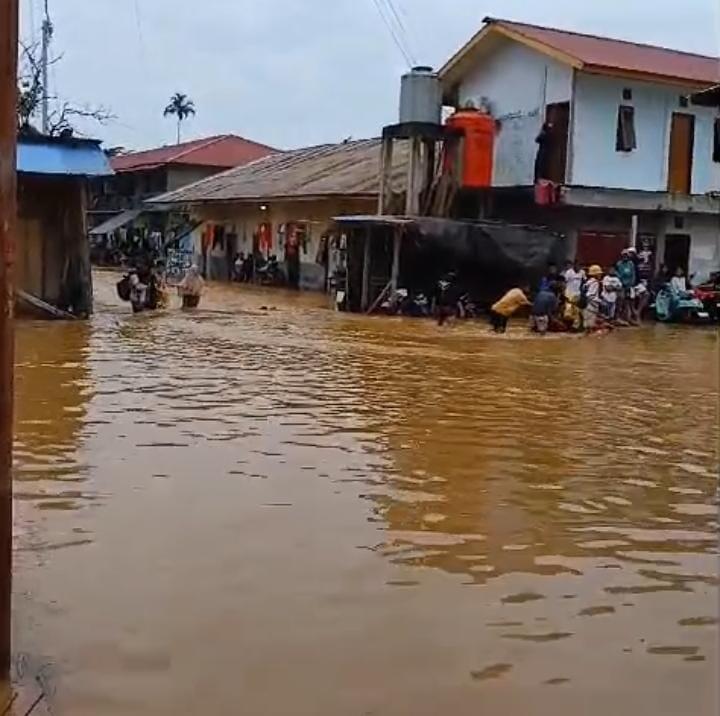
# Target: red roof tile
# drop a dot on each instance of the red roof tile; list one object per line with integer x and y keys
{"x": 224, "y": 152}
{"x": 606, "y": 55}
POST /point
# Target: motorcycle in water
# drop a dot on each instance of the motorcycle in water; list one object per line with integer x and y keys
{"x": 401, "y": 303}
{"x": 674, "y": 306}
{"x": 467, "y": 308}
{"x": 709, "y": 294}
{"x": 270, "y": 274}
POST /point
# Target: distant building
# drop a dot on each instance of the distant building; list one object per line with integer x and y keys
{"x": 283, "y": 205}
{"x": 625, "y": 139}
{"x": 52, "y": 259}
{"x": 138, "y": 176}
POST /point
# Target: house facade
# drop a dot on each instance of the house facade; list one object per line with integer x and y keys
{"x": 116, "y": 201}
{"x": 282, "y": 205}
{"x": 632, "y": 158}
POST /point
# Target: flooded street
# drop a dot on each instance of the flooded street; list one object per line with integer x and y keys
{"x": 297, "y": 512}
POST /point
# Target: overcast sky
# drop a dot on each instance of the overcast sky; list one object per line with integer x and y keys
{"x": 297, "y": 72}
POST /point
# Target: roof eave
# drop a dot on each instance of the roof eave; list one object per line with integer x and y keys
{"x": 452, "y": 69}
{"x": 646, "y": 77}
{"x": 370, "y": 196}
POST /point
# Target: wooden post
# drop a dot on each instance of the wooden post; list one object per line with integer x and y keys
{"x": 386, "y": 159}
{"x": 365, "y": 296}
{"x": 414, "y": 182}
{"x": 397, "y": 239}
{"x": 8, "y": 223}
{"x": 82, "y": 247}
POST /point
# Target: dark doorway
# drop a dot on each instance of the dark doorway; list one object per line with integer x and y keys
{"x": 677, "y": 252}
{"x": 682, "y": 143}
{"x": 295, "y": 236}
{"x": 557, "y": 117}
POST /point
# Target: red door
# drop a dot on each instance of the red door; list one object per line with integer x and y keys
{"x": 601, "y": 247}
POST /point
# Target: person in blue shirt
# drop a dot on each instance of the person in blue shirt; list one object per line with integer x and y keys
{"x": 626, "y": 271}
{"x": 544, "y": 307}
{"x": 550, "y": 277}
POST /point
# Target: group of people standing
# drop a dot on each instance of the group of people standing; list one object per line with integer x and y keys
{"x": 576, "y": 299}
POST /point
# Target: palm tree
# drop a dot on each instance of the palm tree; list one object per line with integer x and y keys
{"x": 182, "y": 107}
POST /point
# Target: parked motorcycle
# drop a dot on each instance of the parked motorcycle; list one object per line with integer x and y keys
{"x": 673, "y": 306}
{"x": 270, "y": 273}
{"x": 709, "y": 294}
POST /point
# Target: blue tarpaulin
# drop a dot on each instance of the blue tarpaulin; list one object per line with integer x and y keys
{"x": 68, "y": 157}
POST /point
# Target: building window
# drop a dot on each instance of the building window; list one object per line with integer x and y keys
{"x": 627, "y": 94}
{"x": 716, "y": 140}
{"x": 626, "y": 139}
{"x": 684, "y": 101}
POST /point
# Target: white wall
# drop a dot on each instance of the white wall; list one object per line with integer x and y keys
{"x": 704, "y": 233}
{"x": 595, "y": 161}
{"x": 519, "y": 82}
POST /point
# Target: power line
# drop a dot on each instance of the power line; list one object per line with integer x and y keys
{"x": 388, "y": 24}
{"x": 407, "y": 22}
{"x": 401, "y": 27}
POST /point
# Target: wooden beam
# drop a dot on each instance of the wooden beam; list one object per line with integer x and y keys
{"x": 365, "y": 296}
{"x": 386, "y": 159}
{"x": 8, "y": 227}
{"x": 397, "y": 240}
{"x": 414, "y": 182}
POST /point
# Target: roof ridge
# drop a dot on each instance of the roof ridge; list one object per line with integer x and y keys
{"x": 498, "y": 20}
{"x": 168, "y": 147}
{"x": 209, "y": 141}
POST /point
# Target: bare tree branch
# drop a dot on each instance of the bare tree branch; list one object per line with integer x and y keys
{"x": 31, "y": 94}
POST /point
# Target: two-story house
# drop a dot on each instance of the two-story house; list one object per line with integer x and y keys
{"x": 632, "y": 158}
{"x": 119, "y": 199}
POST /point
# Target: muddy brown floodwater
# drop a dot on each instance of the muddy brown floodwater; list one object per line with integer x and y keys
{"x": 293, "y": 511}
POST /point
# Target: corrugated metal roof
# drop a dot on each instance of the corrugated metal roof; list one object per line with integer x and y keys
{"x": 115, "y": 222}
{"x": 71, "y": 157}
{"x": 597, "y": 54}
{"x": 347, "y": 169}
{"x": 224, "y": 152}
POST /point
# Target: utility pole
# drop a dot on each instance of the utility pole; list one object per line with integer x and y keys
{"x": 8, "y": 219}
{"x": 47, "y": 33}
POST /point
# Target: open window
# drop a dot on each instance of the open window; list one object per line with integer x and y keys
{"x": 626, "y": 138}
{"x": 716, "y": 140}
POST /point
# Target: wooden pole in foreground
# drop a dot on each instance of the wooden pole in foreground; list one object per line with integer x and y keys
{"x": 8, "y": 218}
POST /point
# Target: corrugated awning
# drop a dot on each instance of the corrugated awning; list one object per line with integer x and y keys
{"x": 377, "y": 219}
{"x": 107, "y": 227}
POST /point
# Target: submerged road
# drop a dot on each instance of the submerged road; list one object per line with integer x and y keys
{"x": 296, "y": 512}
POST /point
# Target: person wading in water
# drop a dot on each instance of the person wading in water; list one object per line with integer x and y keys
{"x": 191, "y": 288}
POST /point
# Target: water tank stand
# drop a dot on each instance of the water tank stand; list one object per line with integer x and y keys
{"x": 422, "y": 139}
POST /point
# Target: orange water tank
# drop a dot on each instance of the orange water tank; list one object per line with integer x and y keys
{"x": 474, "y": 157}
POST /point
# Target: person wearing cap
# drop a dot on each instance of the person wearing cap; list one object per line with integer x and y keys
{"x": 592, "y": 298}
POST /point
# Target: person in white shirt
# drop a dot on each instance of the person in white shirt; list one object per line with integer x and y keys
{"x": 611, "y": 288}
{"x": 574, "y": 277}
{"x": 678, "y": 282}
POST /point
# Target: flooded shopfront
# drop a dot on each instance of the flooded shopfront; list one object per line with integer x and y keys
{"x": 268, "y": 508}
